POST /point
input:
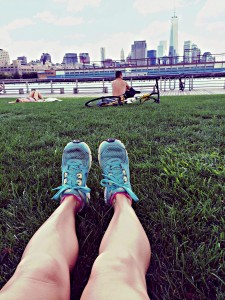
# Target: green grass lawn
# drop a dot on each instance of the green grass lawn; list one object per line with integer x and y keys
{"x": 177, "y": 162}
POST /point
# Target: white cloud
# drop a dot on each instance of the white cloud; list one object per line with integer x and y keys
{"x": 79, "y": 5}
{"x": 5, "y": 38}
{"x": 50, "y": 18}
{"x": 5, "y": 33}
{"x": 18, "y": 23}
{"x": 74, "y": 36}
{"x": 150, "y": 7}
{"x": 156, "y": 31}
{"x": 211, "y": 10}
{"x": 217, "y": 26}
{"x": 147, "y": 7}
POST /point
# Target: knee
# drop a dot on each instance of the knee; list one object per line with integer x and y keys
{"x": 109, "y": 262}
{"x": 42, "y": 267}
{"x": 120, "y": 270}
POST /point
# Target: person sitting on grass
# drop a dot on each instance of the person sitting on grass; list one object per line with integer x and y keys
{"x": 124, "y": 254}
{"x": 119, "y": 86}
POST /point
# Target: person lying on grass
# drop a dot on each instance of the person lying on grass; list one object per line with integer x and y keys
{"x": 26, "y": 99}
{"x": 34, "y": 96}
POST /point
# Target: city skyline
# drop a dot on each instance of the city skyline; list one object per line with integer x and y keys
{"x": 89, "y": 25}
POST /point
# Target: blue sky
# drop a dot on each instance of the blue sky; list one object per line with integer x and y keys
{"x": 29, "y": 27}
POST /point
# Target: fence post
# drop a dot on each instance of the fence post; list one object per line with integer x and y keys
{"x": 3, "y": 87}
{"x": 105, "y": 89}
{"x": 75, "y": 90}
{"x": 21, "y": 91}
{"x": 191, "y": 83}
{"x": 52, "y": 91}
{"x": 160, "y": 84}
{"x": 27, "y": 87}
{"x": 61, "y": 90}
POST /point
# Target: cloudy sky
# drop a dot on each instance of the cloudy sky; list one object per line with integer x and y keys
{"x": 31, "y": 27}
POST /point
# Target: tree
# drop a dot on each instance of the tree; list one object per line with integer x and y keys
{"x": 5, "y": 76}
{"x": 16, "y": 75}
{"x": 30, "y": 75}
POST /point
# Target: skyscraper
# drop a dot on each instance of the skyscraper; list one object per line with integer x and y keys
{"x": 139, "y": 52}
{"x": 173, "y": 49}
{"x": 196, "y": 53}
{"x": 187, "y": 51}
{"x": 102, "y": 50}
{"x": 151, "y": 54}
{"x": 191, "y": 52}
{"x": 4, "y": 58}
{"x": 162, "y": 49}
{"x": 70, "y": 59}
{"x": 122, "y": 55}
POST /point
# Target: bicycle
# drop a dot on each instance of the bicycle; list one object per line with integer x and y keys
{"x": 127, "y": 98}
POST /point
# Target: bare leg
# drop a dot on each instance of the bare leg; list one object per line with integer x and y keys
{"x": 119, "y": 271}
{"x": 43, "y": 272}
{"x": 40, "y": 96}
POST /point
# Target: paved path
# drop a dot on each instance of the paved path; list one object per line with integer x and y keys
{"x": 194, "y": 92}
{"x": 162, "y": 93}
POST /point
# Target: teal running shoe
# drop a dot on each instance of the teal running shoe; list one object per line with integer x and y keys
{"x": 113, "y": 160}
{"x": 76, "y": 163}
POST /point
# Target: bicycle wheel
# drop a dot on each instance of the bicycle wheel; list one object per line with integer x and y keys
{"x": 104, "y": 101}
{"x": 153, "y": 97}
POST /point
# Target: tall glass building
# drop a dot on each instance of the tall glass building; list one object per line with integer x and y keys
{"x": 173, "y": 49}
{"x": 162, "y": 49}
{"x": 102, "y": 51}
{"x": 187, "y": 51}
{"x": 151, "y": 54}
{"x": 122, "y": 57}
{"x": 139, "y": 52}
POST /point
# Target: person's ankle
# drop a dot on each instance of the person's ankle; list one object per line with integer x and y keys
{"x": 73, "y": 199}
{"x": 120, "y": 198}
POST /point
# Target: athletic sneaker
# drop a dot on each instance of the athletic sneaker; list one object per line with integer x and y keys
{"x": 113, "y": 159}
{"x": 76, "y": 163}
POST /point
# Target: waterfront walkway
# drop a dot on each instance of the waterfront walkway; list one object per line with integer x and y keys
{"x": 95, "y": 95}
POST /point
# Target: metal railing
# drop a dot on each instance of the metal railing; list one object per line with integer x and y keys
{"x": 103, "y": 87}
